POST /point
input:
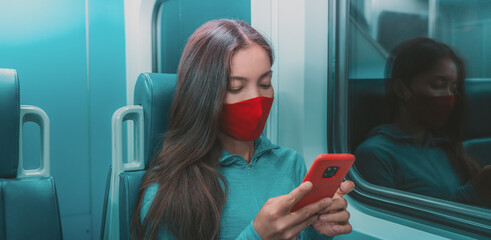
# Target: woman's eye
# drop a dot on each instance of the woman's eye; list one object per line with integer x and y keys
{"x": 265, "y": 86}
{"x": 234, "y": 90}
{"x": 437, "y": 84}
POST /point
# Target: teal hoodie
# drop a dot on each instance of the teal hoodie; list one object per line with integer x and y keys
{"x": 391, "y": 158}
{"x": 272, "y": 171}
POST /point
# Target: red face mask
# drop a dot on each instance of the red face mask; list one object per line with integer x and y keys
{"x": 431, "y": 111}
{"x": 245, "y": 120}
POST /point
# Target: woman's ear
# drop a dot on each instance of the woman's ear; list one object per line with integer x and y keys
{"x": 400, "y": 89}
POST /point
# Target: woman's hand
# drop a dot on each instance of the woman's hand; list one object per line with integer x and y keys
{"x": 275, "y": 221}
{"x": 334, "y": 218}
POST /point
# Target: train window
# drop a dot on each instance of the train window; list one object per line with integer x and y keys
{"x": 176, "y": 21}
{"x": 403, "y": 57}
{"x": 376, "y": 27}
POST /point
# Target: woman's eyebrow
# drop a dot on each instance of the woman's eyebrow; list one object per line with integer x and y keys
{"x": 265, "y": 74}
{"x": 441, "y": 77}
{"x": 245, "y": 79}
{"x": 238, "y": 78}
{"x": 446, "y": 78}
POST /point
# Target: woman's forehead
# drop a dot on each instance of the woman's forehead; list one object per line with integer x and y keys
{"x": 252, "y": 61}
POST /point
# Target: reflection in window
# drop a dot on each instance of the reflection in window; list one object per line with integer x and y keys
{"x": 409, "y": 122}
{"x": 376, "y": 27}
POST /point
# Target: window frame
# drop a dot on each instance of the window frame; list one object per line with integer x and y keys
{"x": 450, "y": 216}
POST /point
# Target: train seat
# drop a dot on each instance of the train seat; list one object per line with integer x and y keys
{"x": 28, "y": 201}
{"x": 152, "y": 99}
{"x": 477, "y": 129}
{"x": 368, "y": 108}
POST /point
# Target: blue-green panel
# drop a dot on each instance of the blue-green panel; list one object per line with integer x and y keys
{"x": 31, "y": 145}
{"x": 180, "y": 18}
{"x": 107, "y": 78}
{"x": 72, "y": 229}
{"x": 45, "y": 41}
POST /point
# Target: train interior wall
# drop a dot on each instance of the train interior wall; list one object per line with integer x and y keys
{"x": 70, "y": 59}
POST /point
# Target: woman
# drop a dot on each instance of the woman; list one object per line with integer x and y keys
{"x": 215, "y": 176}
{"x": 421, "y": 151}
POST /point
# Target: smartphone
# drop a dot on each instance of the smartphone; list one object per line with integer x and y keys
{"x": 326, "y": 174}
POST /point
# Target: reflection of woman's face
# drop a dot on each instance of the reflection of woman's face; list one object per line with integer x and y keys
{"x": 250, "y": 75}
{"x": 439, "y": 81}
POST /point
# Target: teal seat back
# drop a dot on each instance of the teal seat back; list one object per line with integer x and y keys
{"x": 9, "y": 123}
{"x": 154, "y": 93}
{"x": 29, "y": 209}
{"x": 367, "y": 108}
{"x": 28, "y": 206}
{"x": 477, "y": 130}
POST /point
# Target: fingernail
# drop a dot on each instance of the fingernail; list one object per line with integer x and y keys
{"x": 307, "y": 185}
{"x": 323, "y": 217}
{"x": 328, "y": 201}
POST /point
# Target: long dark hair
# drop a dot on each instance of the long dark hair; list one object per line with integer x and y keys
{"x": 192, "y": 192}
{"x": 418, "y": 56}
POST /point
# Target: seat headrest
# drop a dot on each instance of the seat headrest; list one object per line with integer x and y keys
{"x": 478, "y": 121}
{"x": 9, "y": 123}
{"x": 154, "y": 92}
{"x": 367, "y": 108}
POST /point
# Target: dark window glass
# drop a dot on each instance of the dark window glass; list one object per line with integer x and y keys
{"x": 452, "y": 155}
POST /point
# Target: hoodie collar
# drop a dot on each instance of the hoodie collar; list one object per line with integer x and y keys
{"x": 261, "y": 146}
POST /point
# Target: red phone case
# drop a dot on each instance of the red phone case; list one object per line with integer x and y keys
{"x": 325, "y": 186}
